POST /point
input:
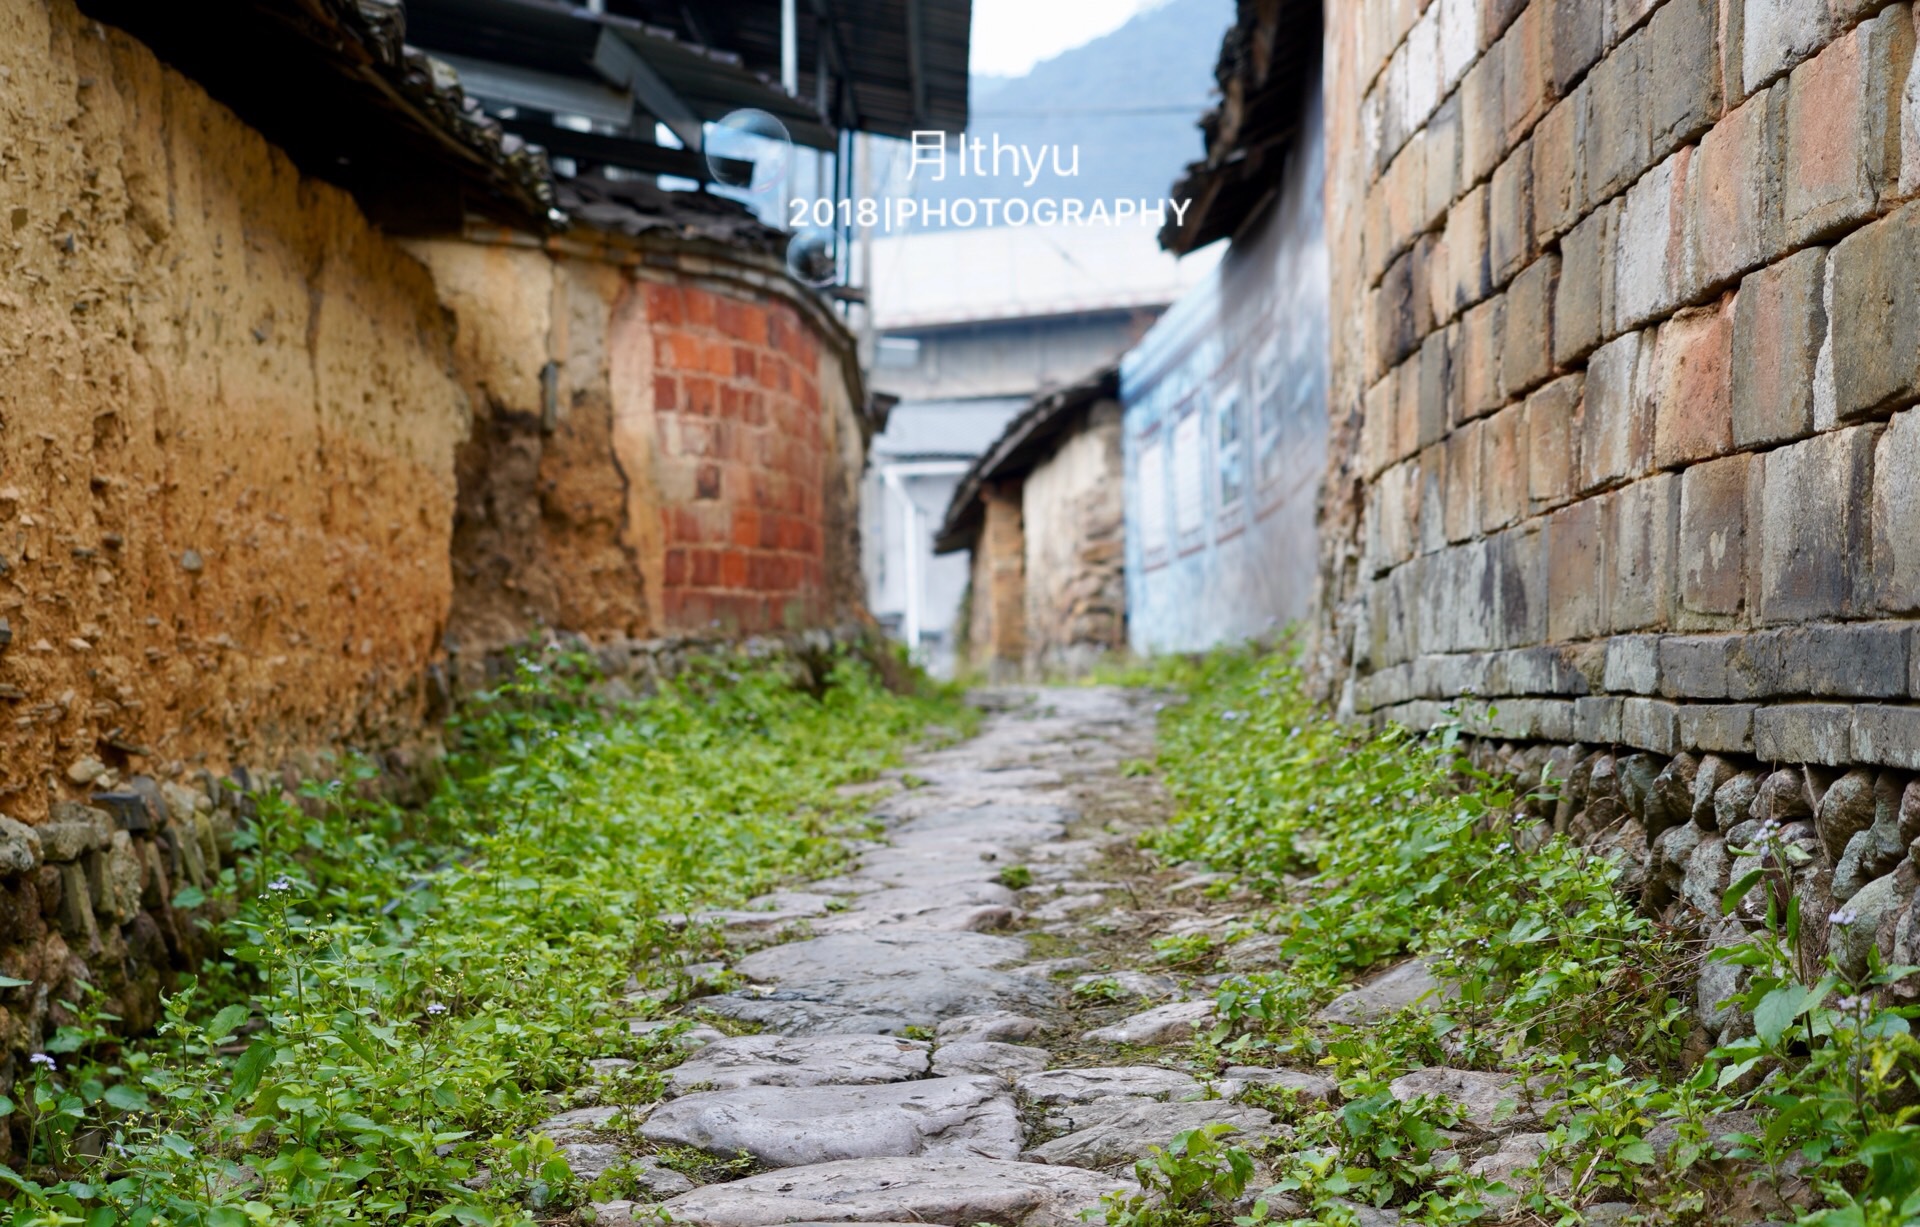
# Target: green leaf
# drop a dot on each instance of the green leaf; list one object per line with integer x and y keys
{"x": 226, "y": 1021}
{"x": 252, "y": 1063}
{"x": 126, "y": 1098}
{"x": 1637, "y": 1151}
{"x": 1779, "y": 1009}
{"x": 1738, "y": 891}
{"x": 13, "y": 982}
{"x": 189, "y": 897}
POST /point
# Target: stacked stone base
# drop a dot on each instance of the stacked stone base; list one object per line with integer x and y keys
{"x": 1839, "y": 841}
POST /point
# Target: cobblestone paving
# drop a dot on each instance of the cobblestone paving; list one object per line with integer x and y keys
{"x": 922, "y": 1052}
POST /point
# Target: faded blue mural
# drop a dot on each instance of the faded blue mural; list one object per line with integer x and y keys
{"x": 1226, "y": 433}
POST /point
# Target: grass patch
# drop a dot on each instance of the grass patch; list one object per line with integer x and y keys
{"x": 405, "y": 992}
{"x": 1371, "y": 847}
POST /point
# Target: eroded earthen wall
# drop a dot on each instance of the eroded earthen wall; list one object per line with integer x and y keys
{"x": 226, "y": 432}
{"x": 1073, "y": 507}
{"x": 1626, "y": 338}
{"x": 654, "y": 451}
{"x": 226, "y": 487}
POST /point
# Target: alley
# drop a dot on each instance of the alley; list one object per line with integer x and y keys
{"x": 970, "y": 1030}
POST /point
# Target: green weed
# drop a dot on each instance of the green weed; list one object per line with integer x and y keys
{"x": 406, "y": 992}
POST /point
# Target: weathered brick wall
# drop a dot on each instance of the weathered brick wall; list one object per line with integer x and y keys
{"x": 665, "y": 442}
{"x": 1073, "y": 507}
{"x": 1626, "y": 331}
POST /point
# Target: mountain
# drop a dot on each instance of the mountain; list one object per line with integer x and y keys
{"x": 1129, "y": 101}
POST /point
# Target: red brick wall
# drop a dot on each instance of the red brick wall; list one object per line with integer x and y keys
{"x": 742, "y": 439}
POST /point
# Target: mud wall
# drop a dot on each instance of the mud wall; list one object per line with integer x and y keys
{"x": 227, "y": 435}
{"x": 1625, "y": 348}
{"x": 658, "y": 448}
{"x": 1072, "y": 508}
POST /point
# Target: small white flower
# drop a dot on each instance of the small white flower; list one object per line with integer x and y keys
{"x": 280, "y": 885}
{"x": 436, "y": 1008}
{"x": 1847, "y": 1005}
{"x": 1845, "y": 916}
{"x": 42, "y": 1059}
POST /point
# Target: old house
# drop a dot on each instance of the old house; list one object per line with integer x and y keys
{"x": 318, "y": 385}
{"x": 1226, "y": 397}
{"x": 974, "y": 325}
{"x": 1041, "y": 514}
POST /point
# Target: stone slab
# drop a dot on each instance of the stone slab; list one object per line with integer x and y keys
{"x": 954, "y": 1192}
{"x": 779, "y": 1060}
{"x": 801, "y": 1126}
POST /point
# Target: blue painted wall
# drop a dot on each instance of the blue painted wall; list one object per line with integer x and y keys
{"x": 1226, "y": 433}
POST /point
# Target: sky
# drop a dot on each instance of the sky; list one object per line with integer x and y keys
{"x": 1011, "y": 36}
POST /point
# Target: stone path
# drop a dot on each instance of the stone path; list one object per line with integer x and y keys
{"x": 922, "y": 1055}
{"x": 970, "y": 1024}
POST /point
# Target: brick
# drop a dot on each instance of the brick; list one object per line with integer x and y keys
{"x": 1526, "y": 91}
{"x": 1496, "y": 16}
{"x": 1713, "y": 537}
{"x": 1576, "y": 35}
{"x": 1404, "y": 187}
{"x": 1510, "y": 216}
{"x": 1520, "y": 562}
{"x": 1393, "y": 517}
{"x": 1810, "y": 531}
{"x": 1482, "y": 122}
{"x": 1734, "y": 210}
{"x": 1386, "y": 622}
{"x": 1433, "y": 498}
{"x": 1583, "y": 301}
{"x": 1395, "y": 315}
{"x": 1650, "y": 724}
{"x": 1694, "y": 666}
{"x": 1875, "y": 316}
{"x": 1843, "y": 127}
{"x": 1442, "y": 163}
{"x": 1683, "y": 73}
{"x": 1596, "y": 720}
{"x": 1617, "y": 147}
{"x": 1463, "y": 483}
{"x": 1642, "y": 566}
{"x": 1865, "y": 660}
{"x": 1693, "y": 414}
{"x": 1476, "y": 361}
{"x": 1889, "y": 736}
{"x": 1650, "y": 244}
{"x": 1436, "y": 609}
{"x": 1804, "y": 733}
{"x": 1477, "y": 608}
{"x": 1423, "y": 68}
{"x": 1576, "y": 561}
{"x": 1777, "y": 34}
{"x": 1633, "y": 664}
{"x": 1526, "y": 352}
{"x": 1717, "y": 728}
{"x": 1434, "y": 388}
{"x": 1503, "y": 469}
{"x": 1467, "y": 264}
{"x": 1779, "y": 325}
{"x": 1406, "y": 414}
{"x": 1459, "y": 39}
{"x": 1895, "y": 517}
{"x": 1377, "y": 426}
{"x": 1557, "y": 164}
{"x": 1553, "y": 440}
{"x": 1617, "y": 424}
